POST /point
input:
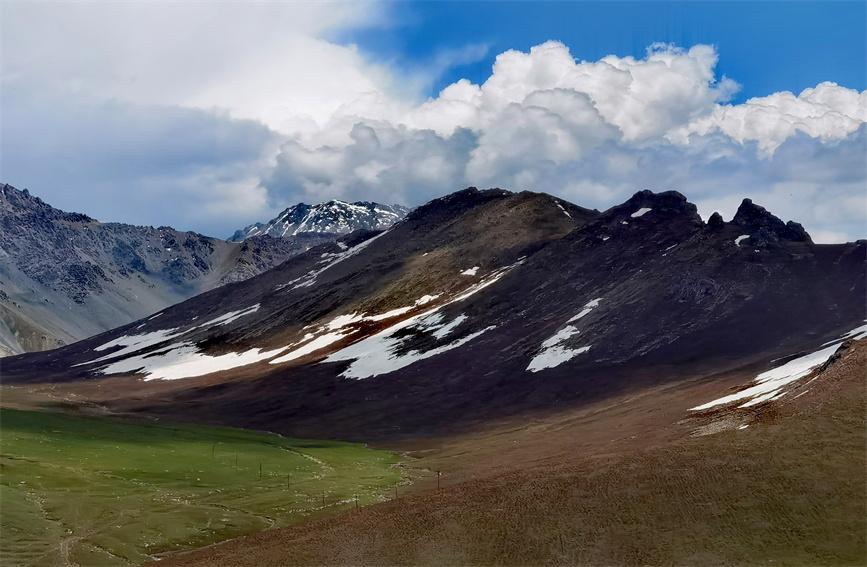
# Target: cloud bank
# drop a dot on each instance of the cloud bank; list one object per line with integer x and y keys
{"x": 593, "y": 133}
{"x": 233, "y": 128}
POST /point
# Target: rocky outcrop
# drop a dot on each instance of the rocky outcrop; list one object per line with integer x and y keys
{"x": 765, "y": 228}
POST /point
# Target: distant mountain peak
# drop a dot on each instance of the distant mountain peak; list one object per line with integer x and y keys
{"x": 331, "y": 217}
{"x": 16, "y": 202}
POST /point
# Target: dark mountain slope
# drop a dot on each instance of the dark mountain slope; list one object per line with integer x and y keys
{"x": 424, "y": 254}
{"x": 478, "y": 305}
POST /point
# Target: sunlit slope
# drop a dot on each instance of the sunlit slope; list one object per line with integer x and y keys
{"x": 97, "y": 491}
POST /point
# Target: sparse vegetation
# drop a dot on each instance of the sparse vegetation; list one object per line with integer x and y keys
{"x": 106, "y": 491}
{"x": 787, "y": 490}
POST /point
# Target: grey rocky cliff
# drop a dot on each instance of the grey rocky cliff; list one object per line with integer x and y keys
{"x": 65, "y": 276}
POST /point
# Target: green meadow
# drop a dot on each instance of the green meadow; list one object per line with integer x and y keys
{"x": 107, "y": 491}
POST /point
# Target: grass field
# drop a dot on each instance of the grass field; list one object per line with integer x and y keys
{"x": 105, "y": 491}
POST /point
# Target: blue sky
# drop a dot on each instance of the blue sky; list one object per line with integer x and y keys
{"x": 208, "y": 116}
{"x": 765, "y": 46}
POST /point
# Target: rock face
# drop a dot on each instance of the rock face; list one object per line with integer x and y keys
{"x": 767, "y": 228}
{"x": 65, "y": 276}
{"x": 332, "y": 217}
{"x": 478, "y": 305}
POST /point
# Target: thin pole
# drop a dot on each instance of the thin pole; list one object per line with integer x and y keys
{"x": 438, "y": 480}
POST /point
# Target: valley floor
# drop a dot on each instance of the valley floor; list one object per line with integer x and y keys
{"x": 87, "y": 490}
{"x": 635, "y": 479}
{"x": 781, "y": 483}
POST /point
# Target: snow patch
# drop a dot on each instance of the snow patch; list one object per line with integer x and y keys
{"x": 446, "y": 329}
{"x": 640, "y": 212}
{"x": 555, "y": 356}
{"x": 770, "y": 384}
{"x": 491, "y": 279}
{"x": 588, "y": 307}
{"x": 470, "y": 271}
{"x": 741, "y": 238}
{"x": 560, "y": 336}
{"x": 133, "y": 343}
{"x": 310, "y": 347}
{"x": 184, "y": 360}
{"x": 377, "y": 354}
{"x": 343, "y": 320}
{"x": 553, "y": 351}
{"x": 230, "y": 317}
{"x": 389, "y": 314}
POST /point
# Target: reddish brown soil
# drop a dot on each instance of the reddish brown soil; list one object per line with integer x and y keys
{"x": 624, "y": 482}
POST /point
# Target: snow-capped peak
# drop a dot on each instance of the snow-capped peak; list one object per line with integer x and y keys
{"x": 334, "y": 217}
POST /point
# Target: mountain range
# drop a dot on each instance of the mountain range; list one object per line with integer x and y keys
{"x": 66, "y": 276}
{"x": 478, "y": 306}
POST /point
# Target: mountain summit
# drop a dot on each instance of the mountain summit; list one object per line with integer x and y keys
{"x": 332, "y": 217}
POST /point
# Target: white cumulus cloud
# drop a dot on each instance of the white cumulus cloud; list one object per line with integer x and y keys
{"x": 594, "y": 132}
{"x": 238, "y": 110}
{"x": 827, "y": 112}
